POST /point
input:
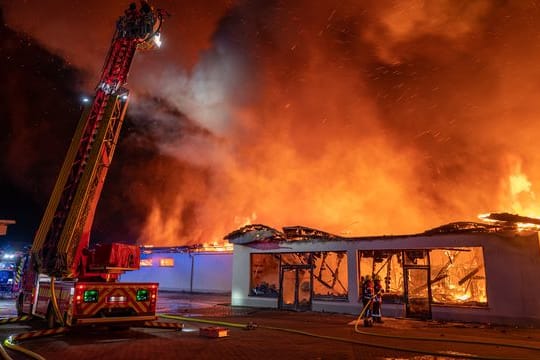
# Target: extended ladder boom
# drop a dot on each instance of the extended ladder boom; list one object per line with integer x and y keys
{"x": 63, "y": 236}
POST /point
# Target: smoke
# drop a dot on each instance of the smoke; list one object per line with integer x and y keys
{"x": 359, "y": 118}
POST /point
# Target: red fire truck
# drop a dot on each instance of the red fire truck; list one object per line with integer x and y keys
{"x": 65, "y": 281}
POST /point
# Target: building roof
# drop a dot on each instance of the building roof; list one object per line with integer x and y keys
{"x": 4, "y": 224}
{"x": 259, "y": 233}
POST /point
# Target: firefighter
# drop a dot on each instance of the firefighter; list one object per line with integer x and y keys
{"x": 147, "y": 18}
{"x": 145, "y": 7}
{"x": 367, "y": 295}
{"x": 130, "y": 20}
{"x": 377, "y": 299}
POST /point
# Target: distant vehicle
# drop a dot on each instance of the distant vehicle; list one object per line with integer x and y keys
{"x": 8, "y": 288}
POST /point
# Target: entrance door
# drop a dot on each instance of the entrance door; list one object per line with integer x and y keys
{"x": 295, "y": 288}
{"x": 417, "y": 292}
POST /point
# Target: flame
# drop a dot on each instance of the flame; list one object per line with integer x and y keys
{"x": 216, "y": 246}
{"x": 363, "y": 117}
{"x": 522, "y": 198}
{"x": 517, "y": 196}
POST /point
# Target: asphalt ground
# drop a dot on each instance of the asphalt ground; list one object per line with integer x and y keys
{"x": 277, "y": 335}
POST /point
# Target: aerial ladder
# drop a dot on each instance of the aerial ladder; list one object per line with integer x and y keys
{"x": 65, "y": 281}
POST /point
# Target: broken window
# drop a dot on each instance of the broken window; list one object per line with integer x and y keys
{"x": 330, "y": 275}
{"x": 458, "y": 276}
{"x": 146, "y": 262}
{"x": 264, "y": 275}
{"x": 296, "y": 258}
{"x": 166, "y": 262}
{"x": 385, "y": 265}
{"x": 416, "y": 257}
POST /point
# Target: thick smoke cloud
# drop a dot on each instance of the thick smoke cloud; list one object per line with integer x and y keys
{"x": 354, "y": 117}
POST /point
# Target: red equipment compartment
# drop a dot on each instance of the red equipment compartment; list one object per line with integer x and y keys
{"x": 116, "y": 255}
{"x": 214, "y": 332}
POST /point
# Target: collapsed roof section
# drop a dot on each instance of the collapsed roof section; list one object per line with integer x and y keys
{"x": 254, "y": 233}
{"x": 463, "y": 227}
{"x": 302, "y": 232}
{"x": 262, "y": 234}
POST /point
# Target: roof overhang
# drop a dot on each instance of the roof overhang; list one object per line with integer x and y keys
{"x": 3, "y": 226}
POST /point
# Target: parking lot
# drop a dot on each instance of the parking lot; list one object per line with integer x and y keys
{"x": 275, "y": 335}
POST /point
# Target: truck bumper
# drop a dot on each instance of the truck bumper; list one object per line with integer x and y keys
{"x": 113, "y": 320}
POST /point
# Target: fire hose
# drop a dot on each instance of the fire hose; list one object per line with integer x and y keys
{"x": 10, "y": 342}
{"x": 12, "y": 320}
{"x": 56, "y": 309}
{"x": 417, "y": 338}
{"x": 358, "y": 342}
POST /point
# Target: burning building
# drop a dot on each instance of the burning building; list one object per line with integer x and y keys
{"x": 461, "y": 271}
{"x": 199, "y": 269}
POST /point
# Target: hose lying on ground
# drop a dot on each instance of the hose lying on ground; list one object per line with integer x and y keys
{"x": 3, "y": 354}
{"x": 10, "y": 345}
{"x": 10, "y": 342}
{"x": 416, "y": 338}
{"x": 15, "y": 319}
{"x": 334, "y": 338}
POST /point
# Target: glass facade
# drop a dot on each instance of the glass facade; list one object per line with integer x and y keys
{"x": 323, "y": 274}
{"x": 330, "y": 280}
{"x": 146, "y": 262}
{"x": 264, "y": 275}
{"x": 454, "y": 276}
{"x": 166, "y": 262}
{"x": 386, "y": 265}
{"x": 458, "y": 276}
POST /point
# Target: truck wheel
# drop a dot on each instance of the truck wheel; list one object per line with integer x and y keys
{"x": 19, "y": 304}
{"x": 51, "y": 318}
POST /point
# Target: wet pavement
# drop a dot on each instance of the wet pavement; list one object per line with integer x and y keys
{"x": 278, "y": 334}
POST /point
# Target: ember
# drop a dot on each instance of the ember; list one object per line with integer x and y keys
{"x": 363, "y": 117}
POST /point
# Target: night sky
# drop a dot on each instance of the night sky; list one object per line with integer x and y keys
{"x": 357, "y": 118}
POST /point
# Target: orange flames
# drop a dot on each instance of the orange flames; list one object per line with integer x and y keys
{"x": 516, "y": 196}
{"x": 357, "y": 118}
{"x": 355, "y": 126}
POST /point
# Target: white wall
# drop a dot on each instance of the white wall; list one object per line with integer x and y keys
{"x": 512, "y": 264}
{"x": 212, "y": 272}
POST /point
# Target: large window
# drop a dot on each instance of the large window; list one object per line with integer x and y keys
{"x": 327, "y": 270}
{"x": 299, "y": 258}
{"x": 166, "y": 262}
{"x": 264, "y": 275}
{"x": 146, "y": 262}
{"x": 458, "y": 276}
{"x": 387, "y": 266}
{"x": 330, "y": 275}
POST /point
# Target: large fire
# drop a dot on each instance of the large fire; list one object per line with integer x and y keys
{"x": 516, "y": 196}
{"x": 372, "y": 117}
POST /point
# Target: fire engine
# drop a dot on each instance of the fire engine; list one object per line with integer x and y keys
{"x": 65, "y": 281}
{"x": 11, "y": 266}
